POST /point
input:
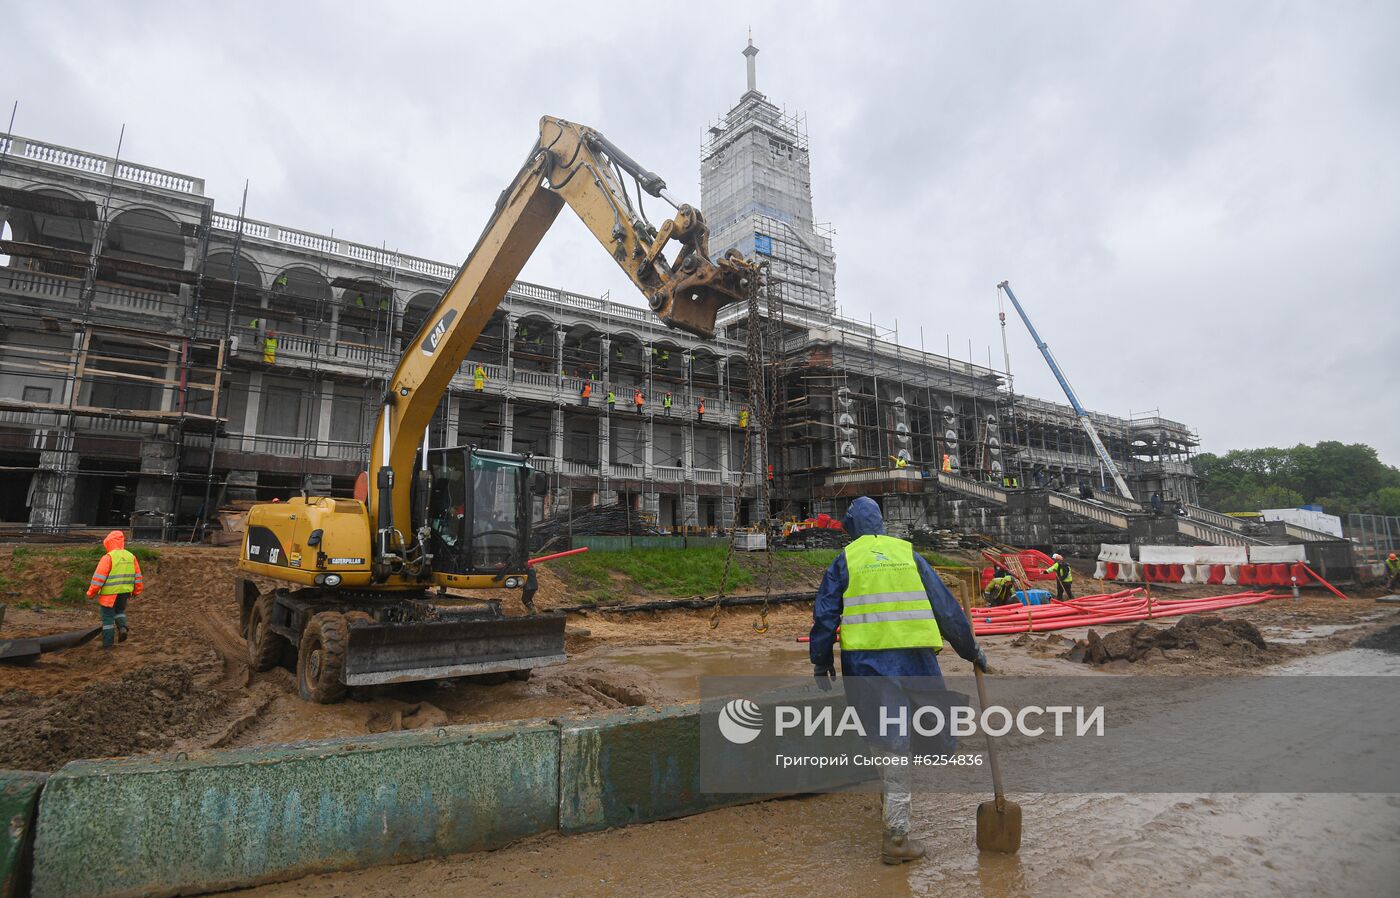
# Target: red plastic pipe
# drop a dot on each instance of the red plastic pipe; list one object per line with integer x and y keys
{"x": 1319, "y": 579}
{"x": 544, "y": 558}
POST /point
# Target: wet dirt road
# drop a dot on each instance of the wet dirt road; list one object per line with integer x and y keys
{"x": 1083, "y": 844}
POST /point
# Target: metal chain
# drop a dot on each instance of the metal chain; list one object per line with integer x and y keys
{"x": 766, "y": 407}
{"x": 752, "y": 353}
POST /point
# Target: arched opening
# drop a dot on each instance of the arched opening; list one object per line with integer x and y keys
{"x": 228, "y": 279}
{"x": 140, "y": 247}
{"x": 737, "y": 379}
{"x": 7, "y": 235}
{"x": 583, "y": 352}
{"x": 625, "y": 358}
{"x": 667, "y": 362}
{"x": 366, "y": 311}
{"x": 533, "y": 346}
{"x": 52, "y": 230}
{"x": 415, "y": 312}
{"x": 490, "y": 347}
{"x": 298, "y": 302}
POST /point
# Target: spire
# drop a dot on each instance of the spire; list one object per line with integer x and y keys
{"x": 750, "y": 52}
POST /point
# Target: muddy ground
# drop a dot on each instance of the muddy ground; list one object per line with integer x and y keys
{"x": 180, "y": 682}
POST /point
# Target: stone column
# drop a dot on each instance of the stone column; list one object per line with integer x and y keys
{"x": 251, "y": 416}
{"x": 507, "y": 425}
{"x": 335, "y": 325}
{"x": 556, "y": 437}
{"x": 605, "y": 371}
{"x": 690, "y": 510}
{"x": 155, "y": 488}
{"x": 728, "y": 512}
{"x": 559, "y": 333}
{"x": 172, "y": 371}
{"x": 649, "y": 442}
{"x": 52, "y": 488}
{"x": 323, "y": 422}
{"x": 316, "y": 484}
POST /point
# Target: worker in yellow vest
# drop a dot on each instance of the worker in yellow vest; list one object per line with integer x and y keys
{"x": 479, "y": 378}
{"x": 115, "y": 580}
{"x": 1001, "y": 589}
{"x": 1392, "y": 570}
{"x": 666, "y": 404}
{"x": 270, "y": 348}
{"x": 744, "y": 417}
{"x": 1064, "y": 577}
{"x": 893, "y": 614}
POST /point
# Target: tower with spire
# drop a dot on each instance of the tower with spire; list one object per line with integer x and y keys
{"x": 756, "y": 190}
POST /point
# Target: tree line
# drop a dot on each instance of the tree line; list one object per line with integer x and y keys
{"x": 1341, "y": 477}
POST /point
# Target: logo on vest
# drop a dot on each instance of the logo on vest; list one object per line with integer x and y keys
{"x": 740, "y": 721}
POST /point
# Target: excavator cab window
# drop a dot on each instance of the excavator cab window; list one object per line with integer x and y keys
{"x": 478, "y": 510}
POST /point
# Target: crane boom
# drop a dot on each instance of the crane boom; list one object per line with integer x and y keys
{"x": 1079, "y": 409}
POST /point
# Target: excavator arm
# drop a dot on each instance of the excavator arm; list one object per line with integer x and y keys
{"x": 570, "y": 165}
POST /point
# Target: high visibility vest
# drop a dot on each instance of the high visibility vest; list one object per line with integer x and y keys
{"x": 1392, "y": 564}
{"x": 122, "y": 577}
{"x": 270, "y": 350}
{"x": 637, "y": 398}
{"x": 885, "y": 605}
{"x": 612, "y": 397}
{"x": 744, "y": 418}
{"x": 666, "y": 400}
{"x": 586, "y": 391}
{"x": 1061, "y": 571}
{"x": 701, "y": 409}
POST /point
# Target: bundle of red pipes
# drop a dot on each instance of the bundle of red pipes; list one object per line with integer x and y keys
{"x": 1124, "y": 606}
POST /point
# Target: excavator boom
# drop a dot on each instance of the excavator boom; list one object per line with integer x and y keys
{"x": 570, "y": 165}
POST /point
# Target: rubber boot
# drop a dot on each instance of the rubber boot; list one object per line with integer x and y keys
{"x": 121, "y": 634}
{"x": 898, "y": 849}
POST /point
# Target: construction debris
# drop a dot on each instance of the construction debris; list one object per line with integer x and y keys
{"x": 1194, "y": 632}
{"x": 595, "y": 520}
{"x": 815, "y": 538}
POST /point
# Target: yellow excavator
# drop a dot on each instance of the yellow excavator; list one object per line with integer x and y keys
{"x": 365, "y": 600}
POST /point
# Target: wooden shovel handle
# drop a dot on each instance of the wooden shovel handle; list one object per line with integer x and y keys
{"x": 991, "y": 744}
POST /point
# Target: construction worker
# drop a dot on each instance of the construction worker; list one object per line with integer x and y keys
{"x": 479, "y": 378}
{"x": 638, "y": 398}
{"x": 700, "y": 411}
{"x": 744, "y": 418}
{"x": 899, "y": 462}
{"x": 115, "y": 580}
{"x": 359, "y": 300}
{"x": 947, "y": 464}
{"x": 666, "y": 404}
{"x": 270, "y": 348}
{"x": 1001, "y": 589}
{"x": 1064, "y": 577}
{"x": 894, "y": 614}
{"x": 280, "y": 283}
{"x": 612, "y": 401}
{"x": 586, "y": 393}
{"x": 1392, "y": 571}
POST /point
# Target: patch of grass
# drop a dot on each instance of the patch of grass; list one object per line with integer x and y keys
{"x": 937, "y": 560}
{"x": 78, "y": 563}
{"x": 673, "y": 572}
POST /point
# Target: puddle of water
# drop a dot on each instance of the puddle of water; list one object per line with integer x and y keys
{"x": 679, "y": 667}
{"x": 1304, "y": 634}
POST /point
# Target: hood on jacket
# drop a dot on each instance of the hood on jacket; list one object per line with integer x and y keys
{"x": 864, "y": 519}
{"x": 114, "y": 540}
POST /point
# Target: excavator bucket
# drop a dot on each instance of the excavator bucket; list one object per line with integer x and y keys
{"x": 448, "y": 647}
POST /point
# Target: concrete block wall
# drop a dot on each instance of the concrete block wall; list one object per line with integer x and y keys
{"x": 215, "y": 820}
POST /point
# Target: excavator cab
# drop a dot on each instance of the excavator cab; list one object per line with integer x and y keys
{"x": 478, "y": 510}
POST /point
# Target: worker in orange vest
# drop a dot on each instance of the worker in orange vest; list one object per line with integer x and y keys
{"x": 700, "y": 411}
{"x": 586, "y": 392}
{"x": 638, "y": 399}
{"x": 116, "y": 579}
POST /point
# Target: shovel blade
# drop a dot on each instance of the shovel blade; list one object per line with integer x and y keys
{"x": 999, "y": 828}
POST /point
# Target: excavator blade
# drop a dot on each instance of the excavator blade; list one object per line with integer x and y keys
{"x": 438, "y": 649}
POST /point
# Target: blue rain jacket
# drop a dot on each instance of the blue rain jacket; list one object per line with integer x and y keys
{"x": 864, "y": 518}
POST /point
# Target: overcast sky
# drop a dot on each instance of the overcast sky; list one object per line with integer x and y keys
{"x": 1199, "y": 203}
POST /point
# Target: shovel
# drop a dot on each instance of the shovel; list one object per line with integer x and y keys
{"x": 998, "y": 820}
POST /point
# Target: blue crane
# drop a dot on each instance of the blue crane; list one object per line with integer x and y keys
{"x": 1079, "y": 409}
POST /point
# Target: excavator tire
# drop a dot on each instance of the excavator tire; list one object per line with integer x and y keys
{"x": 321, "y": 659}
{"x": 264, "y": 646}
{"x": 365, "y": 616}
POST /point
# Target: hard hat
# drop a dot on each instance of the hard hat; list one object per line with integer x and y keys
{"x": 1392, "y": 556}
{"x": 1058, "y": 557}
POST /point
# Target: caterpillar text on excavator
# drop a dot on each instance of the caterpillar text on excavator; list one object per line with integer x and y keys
{"x": 365, "y": 600}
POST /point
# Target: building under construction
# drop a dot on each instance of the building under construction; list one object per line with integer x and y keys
{"x": 161, "y": 357}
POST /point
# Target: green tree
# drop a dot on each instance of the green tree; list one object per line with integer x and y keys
{"x": 1341, "y": 477}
